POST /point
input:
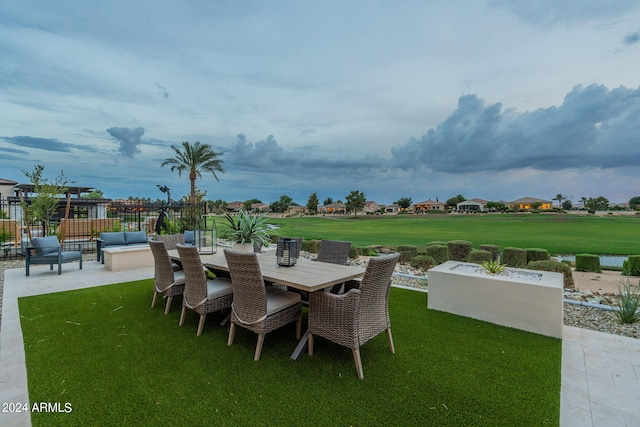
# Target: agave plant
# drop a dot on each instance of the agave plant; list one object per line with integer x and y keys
{"x": 247, "y": 228}
{"x": 628, "y": 304}
{"x": 493, "y": 267}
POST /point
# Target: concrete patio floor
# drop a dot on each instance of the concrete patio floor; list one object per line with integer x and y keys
{"x": 600, "y": 372}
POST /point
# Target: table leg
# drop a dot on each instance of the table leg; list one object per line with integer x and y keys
{"x": 302, "y": 345}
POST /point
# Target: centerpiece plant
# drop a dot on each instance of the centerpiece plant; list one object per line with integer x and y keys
{"x": 247, "y": 230}
{"x": 493, "y": 267}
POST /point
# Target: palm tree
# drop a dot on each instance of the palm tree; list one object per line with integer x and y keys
{"x": 559, "y": 197}
{"x": 195, "y": 159}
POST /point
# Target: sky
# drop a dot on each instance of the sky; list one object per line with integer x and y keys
{"x": 494, "y": 99}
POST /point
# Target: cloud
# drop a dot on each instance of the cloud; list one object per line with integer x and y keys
{"x": 49, "y": 144}
{"x": 631, "y": 38}
{"x": 548, "y": 13}
{"x": 162, "y": 91}
{"x": 593, "y": 128}
{"x": 128, "y": 139}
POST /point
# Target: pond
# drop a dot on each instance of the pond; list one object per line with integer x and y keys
{"x": 605, "y": 260}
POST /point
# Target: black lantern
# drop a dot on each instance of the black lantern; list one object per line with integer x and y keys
{"x": 205, "y": 238}
{"x": 287, "y": 252}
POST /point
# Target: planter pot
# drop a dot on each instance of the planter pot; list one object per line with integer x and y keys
{"x": 525, "y": 299}
{"x": 242, "y": 247}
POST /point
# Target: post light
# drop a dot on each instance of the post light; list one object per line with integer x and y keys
{"x": 286, "y": 252}
{"x": 167, "y": 190}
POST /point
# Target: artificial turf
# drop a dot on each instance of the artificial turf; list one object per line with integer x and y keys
{"x": 117, "y": 361}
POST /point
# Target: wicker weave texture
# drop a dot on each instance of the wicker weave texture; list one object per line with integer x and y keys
{"x": 354, "y": 318}
{"x": 334, "y": 251}
{"x": 250, "y": 297}
{"x": 164, "y": 278}
{"x": 171, "y": 240}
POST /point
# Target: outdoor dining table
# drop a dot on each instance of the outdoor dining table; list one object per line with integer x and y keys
{"x": 305, "y": 275}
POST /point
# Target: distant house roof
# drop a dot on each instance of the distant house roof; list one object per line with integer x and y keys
{"x": 29, "y": 188}
{"x": 7, "y": 182}
{"x": 475, "y": 199}
{"x": 529, "y": 200}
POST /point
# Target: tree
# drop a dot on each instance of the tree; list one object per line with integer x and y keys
{"x": 355, "y": 202}
{"x": 194, "y": 159}
{"x": 403, "y": 202}
{"x": 599, "y": 203}
{"x": 45, "y": 204}
{"x": 567, "y": 205}
{"x": 312, "y": 204}
{"x": 327, "y": 201}
{"x": 95, "y": 194}
{"x": 559, "y": 197}
{"x": 282, "y": 204}
{"x": 634, "y": 203}
{"x": 452, "y": 202}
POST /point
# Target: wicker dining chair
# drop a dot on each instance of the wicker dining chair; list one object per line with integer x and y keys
{"x": 353, "y": 318}
{"x": 170, "y": 242}
{"x": 335, "y": 252}
{"x": 256, "y": 307}
{"x": 201, "y": 295}
{"x": 166, "y": 281}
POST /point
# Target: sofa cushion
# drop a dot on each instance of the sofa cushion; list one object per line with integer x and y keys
{"x": 112, "y": 238}
{"x": 189, "y": 236}
{"x": 131, "y": 237}
{"x": 45, "y": 245}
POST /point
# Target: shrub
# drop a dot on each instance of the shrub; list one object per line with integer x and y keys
{"x": 437, "y": 242}
{"x": 555, "y": 266}
{"x": 514, "y": 257}
{"x": 632, "y": 265}
{"x": 478, "y": 256}
{"x": 311, "y": 246}
{"x": 494, "y": 249}
{"x": 627, "y": 310}
{"x": 407, "y": 253}
{"x": 588, "y": 262}
{"x": 440, "y": 253}
{"x": 459, "y": 250}
{"x": 354, "y": 252}
{"x": 422, "y": 261}
{"x": 536, "y": 254}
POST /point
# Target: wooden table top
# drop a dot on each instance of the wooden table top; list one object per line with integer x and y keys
{"x": 306, "y": 275}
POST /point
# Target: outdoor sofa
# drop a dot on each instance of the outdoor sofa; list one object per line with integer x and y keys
{"x": 117, "y": 239}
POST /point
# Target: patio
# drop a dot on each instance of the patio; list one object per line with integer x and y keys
{"x": 600, "y": 372}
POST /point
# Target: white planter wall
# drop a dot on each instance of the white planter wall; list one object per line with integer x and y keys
{"x": 531, "y": 306}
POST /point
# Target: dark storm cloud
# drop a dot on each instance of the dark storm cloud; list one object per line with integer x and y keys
{"x": 631, "y": 38}
{"x": 47, "y": 144}
{"x": 268, "y": 155}
{"x": 128, "y": 140}
{"x": 593, "y": 128}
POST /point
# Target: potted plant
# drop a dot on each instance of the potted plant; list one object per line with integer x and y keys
{"x": 247, "y": 231}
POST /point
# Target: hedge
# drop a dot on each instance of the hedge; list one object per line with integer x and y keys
{"x": 536, "y": 254}
{"x": 440, "y": 253}
{"x": 478, "y": 256}
{"x": 407, "y": 252}
{"x": 459, "y": 250}
{"x": 555, "y": 266}
{"x": 437, "y": 243}
{"x": 632, "y": 265}
{"x": 494, "y": 249}
{"x": 588, "y": 262}
{"x": 311, "y": 246}
{"x": 422, "y": 261}
{"x": 514, "y": 257}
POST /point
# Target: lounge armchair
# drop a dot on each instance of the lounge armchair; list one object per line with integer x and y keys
{"x": 256, "y": 307}
{"x": 201, "y": 295}
{"x": 47, "y": 250}
{"x": 353, "y": 318}
{"x": 166, "y": 281}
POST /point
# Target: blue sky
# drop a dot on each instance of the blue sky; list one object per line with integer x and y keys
{"x": 494, "y": 99}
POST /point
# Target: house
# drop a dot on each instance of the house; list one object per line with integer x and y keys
{"x": 297, "y": 209}
{"x": 429, "y": 205}
{"x": 332, "y": 208}
{"x": 473, "y": 205}
{"x": 260, "y": 207}
{"x": 235, "y": 206}
{"x": 371, "y": 207}
{"x": 528, "y": 203}
{"x": 392, "y": 209}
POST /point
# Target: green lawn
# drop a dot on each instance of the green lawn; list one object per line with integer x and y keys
{"x": 558, "y": 233}
{"x": 119, "y": 362}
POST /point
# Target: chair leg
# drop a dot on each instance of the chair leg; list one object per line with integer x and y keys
{"x": 201, "y": 323}
{"x": 153, "y": 301}
{"x": 390, "y": 341}
{"x": 356, "y": 358}
{"x": 232, "y": 331}
{"x": 256, "y": 356}
{"x": 168, "y": 307}
{"x": 59, "y": 269}
{"x": 310, "y": 344}
{"x": 298, "y": 328}
{"x": 182, "y": 315}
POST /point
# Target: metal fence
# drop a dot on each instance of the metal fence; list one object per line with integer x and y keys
{"x": 82, "y": 221}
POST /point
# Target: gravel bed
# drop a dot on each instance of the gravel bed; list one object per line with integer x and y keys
{"x": 574, "y": 315}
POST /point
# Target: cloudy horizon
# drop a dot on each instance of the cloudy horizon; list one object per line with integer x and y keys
{"x": 497, "y": 100}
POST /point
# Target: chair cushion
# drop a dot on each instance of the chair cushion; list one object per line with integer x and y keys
{"x": 135, "y": 237}
{"x": 218, "y": 287}
{"x": 45, "y": 245}
{"x": 178, "y": 277}
{"x": 277, "y": 299}
{"x": 189, "y": 235}
{"x": 112, "y": 238}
